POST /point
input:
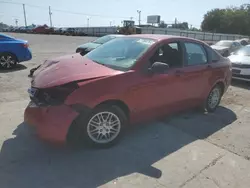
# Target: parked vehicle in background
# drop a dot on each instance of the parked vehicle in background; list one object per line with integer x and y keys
{"x": 30, "y": 28}
{"x": 244, "y": 41}
{"x": 22, "y": 29}
{"x": 70, "y": 32}
{"x": 13, "y": 51}
{"x": 87, "y": 47}
{"x": 225, "y": 47}
{"x": 127, "y": 80}
{"x": 43, "y": 30}
{"x": 241, "y": 63}
{"x": 128, "y": 28}
{"x": 57, "y": 31}
{"x": 79, "y": 32}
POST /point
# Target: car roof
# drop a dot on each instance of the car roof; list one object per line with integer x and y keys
{"x": 161, "y": 37}
{"x": 116, "y": 35}
{"x": 226, "y": 41}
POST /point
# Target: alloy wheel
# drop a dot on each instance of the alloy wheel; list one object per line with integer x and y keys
{"x": 7, "y": 61}
{"x": 214, "y": 98}
{"x": 103, "y": 127}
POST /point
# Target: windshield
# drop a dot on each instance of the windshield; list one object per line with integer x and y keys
{"x": 245, "y": 51}
{"x": 120, "y": 53}
{"x": 224, "y": 43}
{"x": 104, "y": 39}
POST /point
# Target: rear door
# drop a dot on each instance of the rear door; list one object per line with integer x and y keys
{"x": 196, "y": 72}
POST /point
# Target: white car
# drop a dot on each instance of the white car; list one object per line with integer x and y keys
{"x": 244, "y": 41}
{"x": 225, "y": 47}
{"x": 241, "y": 63}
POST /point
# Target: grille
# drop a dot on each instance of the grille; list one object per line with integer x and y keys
{"x": 240, "y": 65}
{"x": 242, "y": 76}
{"x": 40, "y": 97}
{"x": 43, "y": 98}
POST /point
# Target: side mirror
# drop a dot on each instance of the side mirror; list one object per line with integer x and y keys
{"x": 158, "y": 67}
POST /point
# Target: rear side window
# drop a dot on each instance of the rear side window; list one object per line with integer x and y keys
{"x": 196, "y": 54}
{"x": 237, "y": 44}
{"x": 214, "y": 56}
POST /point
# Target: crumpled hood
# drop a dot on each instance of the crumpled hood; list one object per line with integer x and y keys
{"x": 89, "y": 45}
{"x": 219, "y": 48}
{"x": 239, "y": 59}
{"x": 67, "y": 69}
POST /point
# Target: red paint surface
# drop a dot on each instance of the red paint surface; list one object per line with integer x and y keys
{"x": 147, "y": 96}
{"x": 51, "y": 123}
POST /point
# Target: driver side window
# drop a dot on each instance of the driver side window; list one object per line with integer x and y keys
{"x": 170, "y": 54}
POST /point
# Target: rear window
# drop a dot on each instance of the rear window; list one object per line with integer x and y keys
{"x": 213, "y": 54}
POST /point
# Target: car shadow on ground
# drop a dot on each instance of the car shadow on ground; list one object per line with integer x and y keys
{"x": 241, "y": 84}
{"x": 17, "y": 68}
{"x": 27, "y": 162}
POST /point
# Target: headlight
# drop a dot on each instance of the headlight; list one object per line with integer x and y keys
{"x": 55, "y": 95}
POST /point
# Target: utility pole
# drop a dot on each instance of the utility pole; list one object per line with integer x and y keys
{"x": 16, "y": 21}
{"x": 110, "y": 23}
{"x": 139, "y": 12}
{"x": 88, "y": 22}
{"x": 24, "y": 14}
{"x": 50, "y": 13}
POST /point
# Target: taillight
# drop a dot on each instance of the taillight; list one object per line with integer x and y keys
{"x": 25, "y": 45}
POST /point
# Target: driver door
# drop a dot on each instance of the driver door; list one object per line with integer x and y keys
{"x": 159, "y": 94}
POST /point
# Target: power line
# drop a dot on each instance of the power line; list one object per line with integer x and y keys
{"x": 65, "y": 11}
{"x": 86, "y": 14}
{"x": 14, "y": 3}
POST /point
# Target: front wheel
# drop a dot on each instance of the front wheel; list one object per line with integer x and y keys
{"x": 213, "y": 99}
{"x": 7, "y": 60}
{"x": 103, "y": 127}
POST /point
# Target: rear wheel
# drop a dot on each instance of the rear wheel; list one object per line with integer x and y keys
{"x": 213, "y": 99}
{"x": 8, "y": 60}
{"x": 103, "y": 127}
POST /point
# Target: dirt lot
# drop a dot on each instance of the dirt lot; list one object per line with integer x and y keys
{"x": 190, "y": 150}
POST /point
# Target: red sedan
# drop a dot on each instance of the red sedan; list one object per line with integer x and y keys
{"x": 127, "y": 80}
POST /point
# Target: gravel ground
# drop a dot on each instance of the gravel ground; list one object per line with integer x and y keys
{"x": 187, "y": 150}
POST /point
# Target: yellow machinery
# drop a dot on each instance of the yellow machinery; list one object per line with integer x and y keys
{"x": 129, "y": 28}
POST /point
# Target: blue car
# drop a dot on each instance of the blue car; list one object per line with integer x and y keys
{"x": 13, "y": 51}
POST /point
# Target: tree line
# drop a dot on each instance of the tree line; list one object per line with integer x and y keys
{"x": 232, "y": 20}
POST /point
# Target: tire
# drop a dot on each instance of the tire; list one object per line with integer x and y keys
{"x": 88, "y": 130}
{"x": 213, "y": 99}
{"x": 8, "y": 60}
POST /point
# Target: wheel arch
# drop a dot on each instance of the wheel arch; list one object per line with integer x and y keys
{"x": 221, "y": 84}
{"x": 116, "y": 102}
{"x": 11, "y": 53}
